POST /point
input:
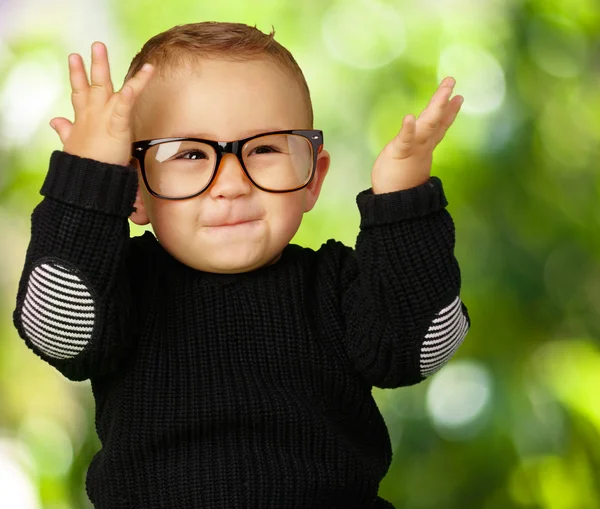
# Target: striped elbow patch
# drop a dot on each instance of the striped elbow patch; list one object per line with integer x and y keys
{"x": 444, "y": 336}
{"x": 58, "y": 311}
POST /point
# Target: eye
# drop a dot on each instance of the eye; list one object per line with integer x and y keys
{"x": 197, "y": 154}
{"x": 265, "y": 149}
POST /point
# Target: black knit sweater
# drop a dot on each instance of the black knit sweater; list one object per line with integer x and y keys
{"x": 244, "y": 390}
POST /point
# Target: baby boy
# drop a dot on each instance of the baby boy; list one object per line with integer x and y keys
{"x": 231, "y": 368}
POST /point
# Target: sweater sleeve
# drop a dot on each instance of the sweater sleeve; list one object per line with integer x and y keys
{"x": 73, "y": 306}
{"x": 401, "y": 287}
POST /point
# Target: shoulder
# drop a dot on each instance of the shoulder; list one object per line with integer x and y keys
{"x": 330, "y": 249}
{"x": 143, "y": 257}
{"x": 329, "y": 260}
{"x": 334, "y": 251}
{"x": 141, "y": 248}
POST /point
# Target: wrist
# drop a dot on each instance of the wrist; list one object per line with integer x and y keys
{"x": 90, "y": 184}
{"x": 391, "y": 207}
{"x": 381, "y": 186}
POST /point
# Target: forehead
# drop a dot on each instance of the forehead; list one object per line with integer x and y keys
{"x": 222, "y": 100}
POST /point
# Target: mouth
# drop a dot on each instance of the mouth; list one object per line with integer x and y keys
{"x": 233, "y": 225}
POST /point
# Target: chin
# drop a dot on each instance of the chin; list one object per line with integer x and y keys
{"x": 236, "y": 265}
{"x": 217, "y": 264}
{"x": 236, "y": 256}
{"x": 233, "y": 263}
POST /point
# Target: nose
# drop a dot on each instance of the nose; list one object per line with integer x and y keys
{"x": 230, "y": 180}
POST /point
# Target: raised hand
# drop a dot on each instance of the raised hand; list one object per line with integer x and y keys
{"x": 102, "y": 127}
{"x": 405, "y": 161}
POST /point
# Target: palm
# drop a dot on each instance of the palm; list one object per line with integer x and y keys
{"x": 406, "y": 160}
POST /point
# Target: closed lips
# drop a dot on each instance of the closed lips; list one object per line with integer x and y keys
{"x": 232, "y": 223}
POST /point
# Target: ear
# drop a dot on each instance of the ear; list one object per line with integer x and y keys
{"x": 314, "y": 188}
{"x": 139, "y": 215}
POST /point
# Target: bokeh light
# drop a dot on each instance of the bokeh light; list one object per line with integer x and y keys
{"x": 50, "y": 444}
{"x": 16, "y": 488}
{"x": 557, "y": 46}
{"x": 380, "y": 39}
{"x": 27, "y": 96}
{"x": 479, "y": 76}
{"x": 458, "y": 397}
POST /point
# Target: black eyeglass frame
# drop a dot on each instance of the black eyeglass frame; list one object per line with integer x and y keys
{"x": 314, "y": 136}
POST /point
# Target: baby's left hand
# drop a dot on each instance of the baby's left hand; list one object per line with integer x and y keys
{"x": 405, "y": 161}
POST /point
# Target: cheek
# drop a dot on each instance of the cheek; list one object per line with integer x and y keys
{"x": 286, "y": 213}
{"x": 173, "y": 219}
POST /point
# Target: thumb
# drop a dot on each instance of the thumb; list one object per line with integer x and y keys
{"x": 63, "y": 127}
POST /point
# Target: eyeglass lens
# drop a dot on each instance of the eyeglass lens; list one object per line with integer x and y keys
{"x": 277, "y": 162}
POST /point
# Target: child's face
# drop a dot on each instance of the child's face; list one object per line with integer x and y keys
{"x": 225, "y": 101}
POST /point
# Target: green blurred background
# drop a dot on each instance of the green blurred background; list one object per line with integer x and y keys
{"x": 514, "y": 420}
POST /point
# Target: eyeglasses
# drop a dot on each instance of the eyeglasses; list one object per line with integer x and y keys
{"x": 181, "y": 168}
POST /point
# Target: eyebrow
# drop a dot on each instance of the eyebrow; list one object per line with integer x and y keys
{"x": 245, "y": 134}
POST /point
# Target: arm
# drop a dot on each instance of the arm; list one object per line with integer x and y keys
{"x": 74, "y": 297}
{"x": 401, "y": 287}
{"x": 402, "y": 305}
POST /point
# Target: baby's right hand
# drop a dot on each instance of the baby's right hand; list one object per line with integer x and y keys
{"x": 102, "y": 128}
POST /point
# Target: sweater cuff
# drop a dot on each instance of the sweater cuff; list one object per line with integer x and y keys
{"x": 385, "y": 208}
{"x": 91, "y": 184}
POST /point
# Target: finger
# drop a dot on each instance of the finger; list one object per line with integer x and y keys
{"x": 126, "y": 98}
{"x": 441, "y": 95}
{"x": 63, "y": 127}
{"x": 403, "y": 143}
{"x": 121, "y": 114}
{"x": 453, "y": 109}
{"x": 432, "y": 116}
{"x": 79, "y": 83}
{"x": 141, "y": 79}
{"x": 100, "y": 72}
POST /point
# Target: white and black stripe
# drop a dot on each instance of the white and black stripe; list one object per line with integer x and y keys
{"x": 444, "y": 336}
{"x": 58, "y": 311}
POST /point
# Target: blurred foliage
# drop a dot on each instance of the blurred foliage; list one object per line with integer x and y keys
{"x": 514, "y": 420}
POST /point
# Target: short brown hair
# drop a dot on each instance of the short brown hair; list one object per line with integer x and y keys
{"x": 185, "y": 44}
